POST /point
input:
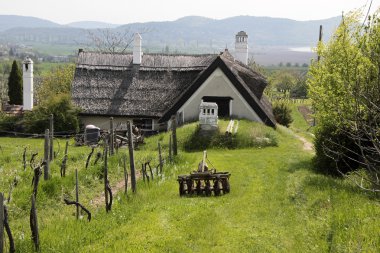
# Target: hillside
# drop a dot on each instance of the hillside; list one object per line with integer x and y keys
{"x": 14, "y": 21}
{"x": 276, "y": 204}
{"x": 188, "y": 33}
{"x": 91, "y": 25}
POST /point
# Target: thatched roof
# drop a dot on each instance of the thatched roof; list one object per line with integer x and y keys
{"x": 111, "y": 85}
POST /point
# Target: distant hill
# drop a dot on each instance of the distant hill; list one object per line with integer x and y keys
{"x": 192, "y": 34}
{"x": 91, "y": 25}
{"x": 13, "y": 21}
{"x": 262, "y": 31}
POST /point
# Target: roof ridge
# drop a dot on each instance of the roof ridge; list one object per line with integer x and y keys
{"x": 153, "y": 54}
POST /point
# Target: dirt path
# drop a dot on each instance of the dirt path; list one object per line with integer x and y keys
{"x": 307, "y": 145}
{"x": 99, "y": 200}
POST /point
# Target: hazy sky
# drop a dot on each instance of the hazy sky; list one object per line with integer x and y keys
{"x": 127, "y": 11}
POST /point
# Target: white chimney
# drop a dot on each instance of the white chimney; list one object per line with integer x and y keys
{"x": 241, "y": 47}
{"x": 137, "y": 51}
{"x": 27, "y": 78}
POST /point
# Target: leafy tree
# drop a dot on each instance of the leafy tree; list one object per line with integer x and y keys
{"x": 54, "y": 96}
{"x": 283, "y": 80}
{"x": 299, "y": 89}
{"x": 345, "y": 89}
{"x": 15, "y": 85}
{"x": 57, "y": 81}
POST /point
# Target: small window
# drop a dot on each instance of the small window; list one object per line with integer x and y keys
{"x": 212, "y": 111}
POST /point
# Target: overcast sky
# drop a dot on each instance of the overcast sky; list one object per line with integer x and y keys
{"x": 127, "y": 11}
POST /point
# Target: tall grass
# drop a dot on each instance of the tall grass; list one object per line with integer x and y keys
{"x": 276, "y": 203}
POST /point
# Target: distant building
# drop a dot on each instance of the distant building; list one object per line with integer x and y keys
{"x": 150, "y": 88}
{"x": 241, "y": 47}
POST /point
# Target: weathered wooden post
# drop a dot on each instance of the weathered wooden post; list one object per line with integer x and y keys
{"x": 24, "y": 159}
{"x": 320, "y": 39}
{"x": 112, "y": 136}
{"x": 125, "y": 175}
{"x": 46, "y": 155}
{"x": 159, "y": 158}
{"x": 51, "y": 156}
{"x": 131, "y": 157}
{"x": 106, "y": 177}
{"x": 319, "y": 58}
{"x": 77, "y": 192}
{"x": 1, "y": 222}
{"x": 170, "y": 149}
{"x": 34, "y": 224}
{"x": 174, "y": 134}
{"x": 64, "y": 161}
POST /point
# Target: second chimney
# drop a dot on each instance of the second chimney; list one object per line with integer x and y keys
{"x": 137, "y": 51}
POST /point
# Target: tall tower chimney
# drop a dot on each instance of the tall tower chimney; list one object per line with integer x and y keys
{"x": 137, "y": 51}
{"x": 27, "y": 78}
{"x": 241, "y": 47}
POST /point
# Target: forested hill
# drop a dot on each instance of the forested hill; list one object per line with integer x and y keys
{"x": 186, "y": 32}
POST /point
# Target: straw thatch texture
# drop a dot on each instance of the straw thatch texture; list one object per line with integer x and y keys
{"x": 110, "y": 85}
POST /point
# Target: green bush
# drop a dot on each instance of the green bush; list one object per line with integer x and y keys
{"x": 282, "y": 113}
{"x": 64, "y": 113}
{"x": 249, "y": 134}
{"x": 9, "y": 123}
{"x": 335, "y": 151}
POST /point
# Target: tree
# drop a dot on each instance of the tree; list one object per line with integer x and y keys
{"x": 111, "y": 40}
{"x": 282, "y": 113}
{"x": 283, "y": 80}
{"x": 57, "y": 81}
{"x": 15, "y": 85}
{"x": 299, "y": 89}
{"x": 345, "y": 88}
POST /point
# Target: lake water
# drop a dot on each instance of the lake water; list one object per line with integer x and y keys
{"x": 301, "y": 49}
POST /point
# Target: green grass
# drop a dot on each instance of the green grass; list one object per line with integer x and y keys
{"x": 277, "y": 203}
{"x": 45, "y": 67}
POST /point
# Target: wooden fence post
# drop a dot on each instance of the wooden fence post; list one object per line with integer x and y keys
{"x": 112, "y": 136}
{"x": 106, "y": 177}
{"x": 174, "y": 133}
{"x": 51, "y": 156}
{"x": 46, "y": 155}
{"x": 125, "y": 174}
{"x": 77, "y": 192}
{"x": 1, "y": 222}
{"x": 131, "y": 157}
{"x": 170, "y": 148}
{"x": 63, "y": 166}
{"x": 24, "y": 159}
{"x": 34, "y": 224}
{"x": 159, "y": 158}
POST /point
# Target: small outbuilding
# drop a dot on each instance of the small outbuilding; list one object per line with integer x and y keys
{"x": 208, "y": 115}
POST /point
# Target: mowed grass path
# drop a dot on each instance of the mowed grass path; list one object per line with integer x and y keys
{"x": 276, "y": 204}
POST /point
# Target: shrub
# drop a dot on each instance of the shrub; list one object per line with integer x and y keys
{"x": 334, "y": 150}
{"x": 9, "y": 123}
{"x": 250, "y": 134}
{"x": 65, "y": 116}
{"x": 282, "y": 113}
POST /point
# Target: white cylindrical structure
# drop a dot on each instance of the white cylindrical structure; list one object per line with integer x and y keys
{"x": 241, "y": 47}
{"x": 27, "y": 79}
{"x": 137, "y": 51}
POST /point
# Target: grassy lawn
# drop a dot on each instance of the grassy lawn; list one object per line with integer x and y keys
{"x": 276, "y": 204}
